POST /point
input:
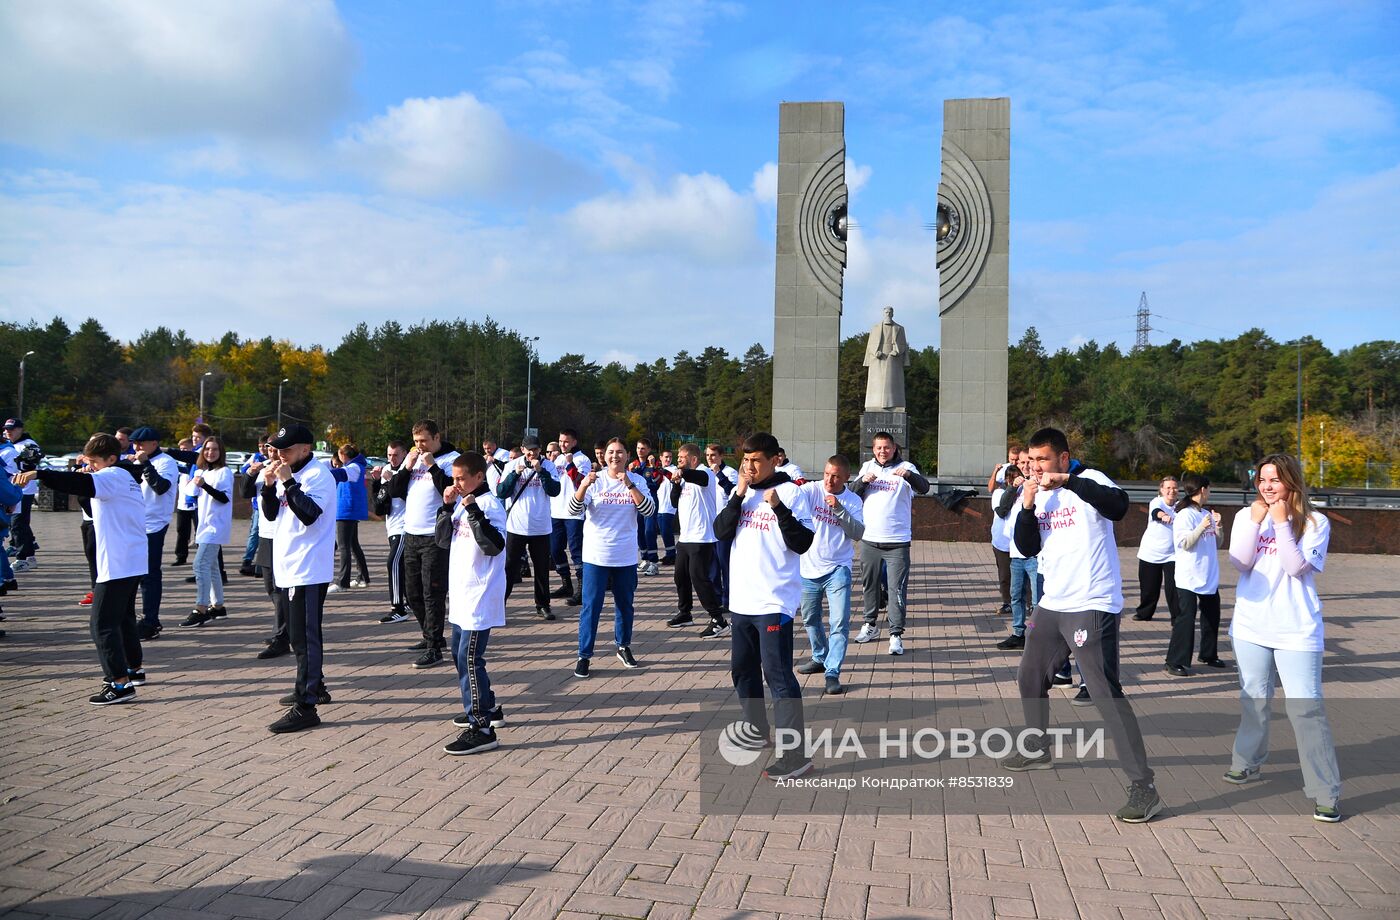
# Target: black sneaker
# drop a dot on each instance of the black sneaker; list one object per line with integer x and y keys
{"x": 420, "y": 646}
{"x": 196, "y": 619}
{"x": 1082, "y": 698}
{"x": 581, "y": 669}
{"x": 1143, "y": 802}
{"x": 248, "y": 570}
{"x": 322, "y": 698}
{"x": 833, "y": 687}
{"x": 682, "y": 618}
{"x": 136, "y": 678}
{"x": 790, "y": 766}
{"x": 218, "y": 612}
{"x": 576, "y": 599}
{"x": 429, "y": 659}
{"x": 148, "y": 631}
{"x": 543, "y": 613}
{"x": 472, "y": 741}
{"x": 1061, "y": 680}
{"x": 275, "y": 650}
{"x": 497, "y": 716}
{"x": 111, "y": 694}
{"x": 394, "y": 616}
{"x": 1004, "y": 610}
{"x": 1020, "y": 763}
{"x": 811, "y": 667}
{"x": 1216, "y": 663}
{"x": 624, "y": 655}
{"x": 190, "y": 580}
{"x": 563, "y": 591}
{"x": 1012, "y": 642}
{"x": 715, "y": 629}
{"x": 298, "y": 718}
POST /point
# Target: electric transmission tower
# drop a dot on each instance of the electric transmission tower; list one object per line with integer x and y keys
{"x": 1144, "y": 324}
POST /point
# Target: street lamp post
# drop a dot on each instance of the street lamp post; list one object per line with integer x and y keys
{"x": 279, "y": 402}
{"x": 207, "y": 374}
{"x": 529, "y": 375}
{"x": 1300, "y": 400}
{"x": 21, "y": 383}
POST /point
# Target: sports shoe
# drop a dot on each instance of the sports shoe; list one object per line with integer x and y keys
{"x": 147, "y": 631}
{"x": 1061, "y": 680}
{"x": 1012, "y": 642}
{"x": 26, "y": 565}
{"x": 1143, "y": 802}
{"x": 867, "y": 632}
{"x": 1004, "y": 610}
{"x": 296, "y": 719}
{"x": 811, "y": 666}
{"x": 1176, "y": 671}
{"x": 624, "y": 655}
{"x": 429, "y": 659}
{"x": 136, "y": 678}
{"x": 1327, "y": 814}
{"x": 652, "y": 569}
{"x": 422, "y": 644}
{"x": 196, "y": 619}
{"x": 1018, "y": 762}
{"x": 1144, "y": 617}
{"x": 11, "y": 585}
{"x": 682, "y": 618}
{"x": 544, "y": 613}
{"x": 111, "y": 694}
{"x": 563, "y": 591}
{"x": 472, "y": 741}
{"x": 1082, "y": 698}
{"x": 833, "y": 687}
{"x": 218, "y": 612}
{"x": 322, "y": 698}
{"x": 1240, "y": 777}
{"x": 355, "y": 583}
{"x": 86, "y": 601}
{"x": 715, "y": 629}
{"x": 1216, "y": 663}
{"x": 496, "y": 717}
{"x": 12, "y": 552}
{"x": 334, "y": 589}
{"x": 896, "y": 645}
{"x": 581, "y": 669}
{"x": 191, "y": 580}
{"x": 790, "y": 766}
{"x": 248, "y": 570}
{"x": 275, "y": 650}
{"x": 394, "y": 616}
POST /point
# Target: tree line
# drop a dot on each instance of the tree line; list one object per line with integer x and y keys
{"x": 1208, "y": 406}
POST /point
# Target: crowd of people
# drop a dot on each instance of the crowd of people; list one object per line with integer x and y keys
{"x": 757, "y": 546}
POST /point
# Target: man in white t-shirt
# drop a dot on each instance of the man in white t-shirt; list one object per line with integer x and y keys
{"x": 726, "y": 478}
{"x": 566, "y": 537}
{"x": 390, "y": 508}
{"x": 1000, "y": 539}
{"x": 887, "y": 484}
{"x": 838, "y": 522}
{"x": 425, "y": 473}
{"x": 160, "y": 474}
{"x": 526, "y": 488}
{"x": 21, "y": 535}
{"x": 769, "y": 518}
{"x": 691, "y": 492}
{"x": 1065, "y": 519}
{"x": 298, "y": 501}
{"x": 1156, "y": 553}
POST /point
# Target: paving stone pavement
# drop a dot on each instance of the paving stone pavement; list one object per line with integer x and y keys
{"x": 183, "y": 805}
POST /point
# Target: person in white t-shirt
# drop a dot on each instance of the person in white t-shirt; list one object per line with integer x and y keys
{"x": 612, "y": 502}
{"x": 299, "y": 499}
{"x": 726, "y": 478}
{"x": 887, "y": 484}
{"x": 160, "y": 475}
{"x": 1157, "y": 554}
{"x": 21, "y": 534}
{"x": 1001, "y": 549}
{"x": 1025, "y": 578}
{"x": 691, "y": 491}
{"x": 1066, "y": 519}
{"x": 420, "y": 481}
{"x": 391, "y": 509}
{"x": 666, "y": 509}
{"x": 471, "y": 524}
{"x": 793, "y": 471}
{"x": 769, "y": 518}
{"x": 1279, "y": 544}
{"x": 527, "y": 486}
{"x": 1195, "y": 531}
{"x": 566, "y": 537}
{"x": 119, "y": 529}
{"x": 211, "y": 483}
{"x": 838, "y": 522}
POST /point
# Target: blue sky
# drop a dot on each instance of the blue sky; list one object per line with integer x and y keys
{"x": 600, "y": 173}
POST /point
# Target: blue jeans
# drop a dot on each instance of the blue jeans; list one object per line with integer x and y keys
{"x": 151, "y": 581}
{"x": 567, "y": 535}
{"x": 621, "y": 580}
{"x": 251, "y": 548}
{"x": 836, "y": 585}
{"x": 469, "y": 652}
{"x": 206, "y": 574}
{"x": 1023, "y": 574}
{"x": 1301, "y": 674}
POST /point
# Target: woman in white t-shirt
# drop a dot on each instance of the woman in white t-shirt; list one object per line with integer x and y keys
{"x": 1156, "y": 556}
{"x": 211, "y": 485}
{"x": 1196, "y": 558}
{"x": 612, "y": 502}
{"x": 1278, "y": 544}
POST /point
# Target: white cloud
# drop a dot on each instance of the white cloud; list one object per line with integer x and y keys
{"x": 856, "y": 176}
{"x": 697, "y": 215}
{"x": 452, "y": 146}
{"x": 148, "y": 69}
{"x": 765, "y": 184}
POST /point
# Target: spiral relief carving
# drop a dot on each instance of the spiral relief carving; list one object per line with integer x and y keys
{"x": 821, "y": 216}
{"x": 963, "y": 251}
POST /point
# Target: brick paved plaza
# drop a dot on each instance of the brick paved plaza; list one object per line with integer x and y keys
{"x": 183, "y": 805}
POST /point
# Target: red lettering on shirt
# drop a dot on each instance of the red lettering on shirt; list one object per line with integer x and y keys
{"x": 758, "y": 519}
{"x": 1266, "y": 547}
{"x": 1058, "y": 519}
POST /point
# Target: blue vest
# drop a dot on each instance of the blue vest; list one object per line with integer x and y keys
{"x": 352, "y": 498}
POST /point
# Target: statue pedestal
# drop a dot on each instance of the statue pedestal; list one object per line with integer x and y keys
{"x": 895, "y": 421}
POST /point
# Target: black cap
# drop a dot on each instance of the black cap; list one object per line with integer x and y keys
{"x": 144, "y": 433}
{"x": 530, "y": 441}
{"x": 14, "y": 423}
{"x": 295, "y": 434}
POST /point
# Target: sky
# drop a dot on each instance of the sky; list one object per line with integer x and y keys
{"x": 602, "y": 174}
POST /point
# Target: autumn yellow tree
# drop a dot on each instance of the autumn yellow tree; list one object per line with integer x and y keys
{"x": 1198, "y": 457}
{"x": 1342, "y": 450}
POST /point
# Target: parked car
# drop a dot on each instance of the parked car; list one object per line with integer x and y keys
{"x": 60, "y": 462}
{"x": 236, "y": 458}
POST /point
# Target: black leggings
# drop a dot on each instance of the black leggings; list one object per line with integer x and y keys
{"x": 113, "y": 626}
{"x": 347, "y": 540}
{"x": 1184, "y": 628}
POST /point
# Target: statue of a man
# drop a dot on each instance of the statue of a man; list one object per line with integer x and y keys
{"x": 887, "y": 355}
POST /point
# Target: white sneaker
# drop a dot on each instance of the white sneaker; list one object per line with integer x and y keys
{"x": 356, "y": 583}
{"x": 334, "y": 589}
{"x": 653, "y": 569}
{"x": 867, "y": 632}
{"x": 26, "y": 565}
{"x": 896, "y": 645}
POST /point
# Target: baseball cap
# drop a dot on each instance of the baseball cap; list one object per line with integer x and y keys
{"x": 530, "y": 441}
{"x": 14, "y": 423}
{"x": 294, "y": 434}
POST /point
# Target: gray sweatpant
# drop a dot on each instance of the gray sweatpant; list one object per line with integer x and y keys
{"x": 1093, "y": 637}
{"x": 895, "y": 556}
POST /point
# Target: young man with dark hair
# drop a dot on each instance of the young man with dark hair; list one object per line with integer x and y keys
{"x": 838, "y": 522}
{"x": 160, "y": 475}
{"x": 666, "y": 509}
{"x": 691, "y": 492}
{"x": 770, "y": 521}
{"x": 726, "y": 478}
{"x": 887, "y": 484}
{"x": 566, "y": 535}
{"x": 1065, "y": 521}
{"x": 420, "y": 482}
{"x": 647, "y": 527}
{"x": 471, "y": 527}
{"x": 280, "y": 642}
{"x": 526, "y": 488}
{"x": 391, "y": 509}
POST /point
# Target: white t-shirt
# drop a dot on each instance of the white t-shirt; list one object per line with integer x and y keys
{"x": 160, "y": 507}
{"x": 424, "y": 498}
{"x": 1272, "y": 608}
{"x": 831, "y": 547}
{"x": 393, "y": 521}
{"x": 118, "y": 524}
{"x": 610, "y": 521}
{"x": 664, "y": 505}
{"x": 888, "y": 503}
{"x": 1197, "y": 568}
{"x": 1078, "y": 556}
{"x": 764, "y": 575}
{"x": 528, "y": 509}
{"x": 301, "y": 554}
{"x": 1157, "y": 545}
{"x": 215, "y": 517}
{"x": 695, "y": 512}
{"x": 1000, "y": 538}
{"x": 476, "y": 582}
{"x": 721, "y": 496}
{"x": 794, "y": 472}
{"x": 559, "y": 504}
{"x": 33, "y": 487}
